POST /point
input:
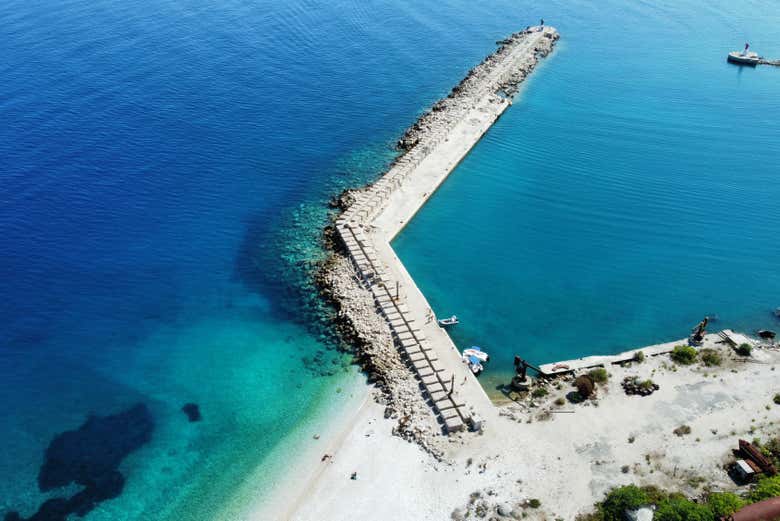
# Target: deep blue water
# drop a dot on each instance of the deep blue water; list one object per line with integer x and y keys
{"x": 163, "y": 172}
{"x": 633, "y": 189}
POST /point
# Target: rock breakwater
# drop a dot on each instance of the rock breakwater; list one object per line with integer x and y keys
{"x": 363, "y": 277}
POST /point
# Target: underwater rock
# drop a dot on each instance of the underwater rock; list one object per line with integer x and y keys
{"x": 90, "y": 456}
{"x": 192, "y": 411}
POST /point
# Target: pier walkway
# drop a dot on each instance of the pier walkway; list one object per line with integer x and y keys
{"x": 380, "y": 212}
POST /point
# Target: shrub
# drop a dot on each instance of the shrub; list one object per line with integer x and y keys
{"x": 639, "y": 357}
{"x": 534, "y": 503}
{"x": 766, "y": 488}
{"x": 584, "y": 385}
{"x": 724, "y": 503}
{"x": 539, "y": 392}
{"x": 599, "y": 375}
{"x": 679, "y": 508}
{"x": 710, "y": 357}
{"x": 560, "y": 401}
{"x": 744, "y": 349}
{"x": 682, "y": 430}
{"x": 621, "y": 499}
{"x": 684, "y": 355}
{"x": 776, "y": 399}
{"x": 646, "y": 384}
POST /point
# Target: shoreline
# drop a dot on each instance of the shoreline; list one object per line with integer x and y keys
{"x": 526, "y": 448}
{"x": 566, "y": 456}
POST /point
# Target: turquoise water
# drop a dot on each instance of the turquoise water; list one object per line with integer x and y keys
{"x": 164, "y": 169}
{"x": 631, "y": 191}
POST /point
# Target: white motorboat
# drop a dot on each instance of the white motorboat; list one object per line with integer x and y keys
{"x": 474, "y": 357}
{"x": 476, "y": 352}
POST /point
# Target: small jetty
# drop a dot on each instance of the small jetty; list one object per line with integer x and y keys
{"x": 590, "y": 362}
{"x": 726, "y": 336}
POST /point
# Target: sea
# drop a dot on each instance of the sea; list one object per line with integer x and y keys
{"x": 165, "y": 172}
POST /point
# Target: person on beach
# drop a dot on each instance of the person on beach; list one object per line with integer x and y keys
{"x": 541, "y": 23}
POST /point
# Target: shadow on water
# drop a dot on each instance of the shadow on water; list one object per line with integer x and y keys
{"x": 90, "y": 456}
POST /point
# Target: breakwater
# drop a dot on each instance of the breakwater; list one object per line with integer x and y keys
{"x": 374, "y": 215}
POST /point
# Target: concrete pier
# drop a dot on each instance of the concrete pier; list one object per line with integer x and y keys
{"x": 435, "y": 145}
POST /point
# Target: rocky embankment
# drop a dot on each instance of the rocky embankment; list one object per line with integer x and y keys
{"x": 499, "y": 74}
{"x": 361, "y": 326}
{"x": 358, "y": 320}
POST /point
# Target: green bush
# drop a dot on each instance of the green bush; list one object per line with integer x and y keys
{"x": 776, "y": 399}
{"x": 679, "y": 508}
{"x": 534, "y": 503}
{"x": 724, "y": 503}
{"x": 539, "y": 392}
{"x": 639, "y": 357}
{"x": 744, "y": 349}
{"x": 646, "y": 384}
{"x": 684, "y": 355}
{"x": 765, "y": 488}
{"x": 599, "y": 375}
{"x": 710, "y": 357}
{"x": 621, "y": 499}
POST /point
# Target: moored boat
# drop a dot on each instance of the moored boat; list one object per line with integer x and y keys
{"x": 477, "y": 352}
{"x": 474, "y": 357}
{"x": 449, "y": 321}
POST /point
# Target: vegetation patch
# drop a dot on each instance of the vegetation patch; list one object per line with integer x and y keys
{"x": 668, "y": 506}
{"x": 539, "y": 392}
{"x": 710, "y": 357}
{"x": 599, "y": 375}
{"x": 633, "y": 385}
{"x": 684, "y": 355}
{"x": 744, "y": 349}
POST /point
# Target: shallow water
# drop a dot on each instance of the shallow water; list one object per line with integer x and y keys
{"x": 631, "y": 191}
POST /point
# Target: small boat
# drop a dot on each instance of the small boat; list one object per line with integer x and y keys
{"x": 474, "y": 357}
{"x": 477, "y": 352}
{"x": 449, "y": 321}
{"x": 766, "y": 334}
{"x": 474, "y": 364}
{"x": 743, "y": 58}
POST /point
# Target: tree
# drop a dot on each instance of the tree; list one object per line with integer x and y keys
{"x": 584, "y": 385}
